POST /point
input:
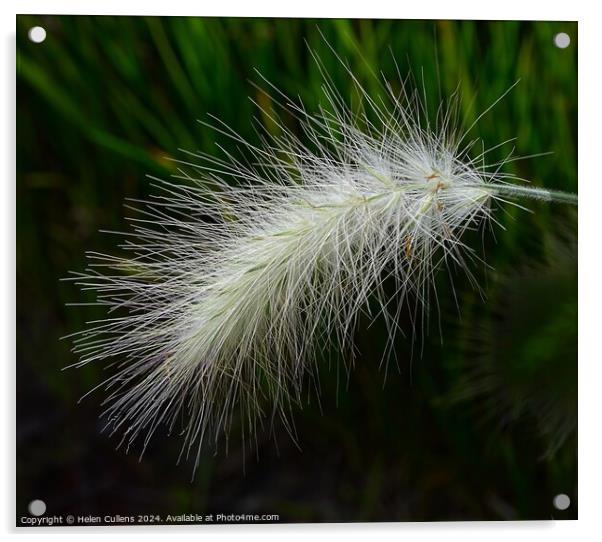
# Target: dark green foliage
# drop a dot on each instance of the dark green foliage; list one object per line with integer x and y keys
{"x": 106, "y": 100}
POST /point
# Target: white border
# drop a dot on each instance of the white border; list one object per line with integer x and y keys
{"x": 434, "y": 9}
{"x": 590, "y": 233}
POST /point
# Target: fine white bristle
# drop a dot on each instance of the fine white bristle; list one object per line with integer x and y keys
{"x": 236, "y": 276}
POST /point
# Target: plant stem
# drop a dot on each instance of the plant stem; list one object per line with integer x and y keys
{"x": 542, "y": 194}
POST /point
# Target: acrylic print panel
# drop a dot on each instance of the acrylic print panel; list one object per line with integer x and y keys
{"x": 345, "y": 284}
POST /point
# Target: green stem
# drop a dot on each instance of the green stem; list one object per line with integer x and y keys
{"x": 542, "y": 194}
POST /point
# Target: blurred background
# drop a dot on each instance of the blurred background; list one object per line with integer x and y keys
{"x": 481, "y": 425}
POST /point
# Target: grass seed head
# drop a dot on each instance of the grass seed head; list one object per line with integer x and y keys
{"x": 232, "y": 280}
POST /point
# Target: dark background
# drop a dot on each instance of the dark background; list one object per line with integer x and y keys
{"x": 481, "y": 426}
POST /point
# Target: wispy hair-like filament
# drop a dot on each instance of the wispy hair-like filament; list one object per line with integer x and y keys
{"x": 237, "y": 273}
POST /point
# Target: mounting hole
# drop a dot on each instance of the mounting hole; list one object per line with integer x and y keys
{"x": 37, "y": 34}
{"x": 562, "y": 40}
{"x": 37, "y": 507}
{"x": 562, "y": 502}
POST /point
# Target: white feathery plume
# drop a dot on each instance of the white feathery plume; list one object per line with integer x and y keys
{"x": 236, "y": 278}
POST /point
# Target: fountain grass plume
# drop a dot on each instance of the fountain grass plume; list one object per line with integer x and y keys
{"x": 236, "y": 275}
